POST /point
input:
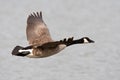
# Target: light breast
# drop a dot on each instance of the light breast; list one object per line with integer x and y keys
{"x": 62, "y": 46}
{"x": 39, "y": 53}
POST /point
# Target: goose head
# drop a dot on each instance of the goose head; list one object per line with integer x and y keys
{"x": 86, "y": 40}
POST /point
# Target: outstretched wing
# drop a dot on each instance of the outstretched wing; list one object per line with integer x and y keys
{"x": 67, "y": 42}
{"x": 37, "y": 31}
{"x": 55, "y": 44}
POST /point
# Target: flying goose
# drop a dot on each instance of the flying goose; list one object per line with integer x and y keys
{"x": 40, "y": 42}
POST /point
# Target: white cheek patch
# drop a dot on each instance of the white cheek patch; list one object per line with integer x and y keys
{"x": 30, "y": 50}
{"x": 85, "y": 40}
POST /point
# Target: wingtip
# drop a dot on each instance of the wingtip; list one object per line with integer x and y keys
{"x": 36, "y": 14}
{"x": 40, "y": 13}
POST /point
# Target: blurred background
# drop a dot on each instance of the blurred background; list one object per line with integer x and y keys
{"x": 97, "y": 19}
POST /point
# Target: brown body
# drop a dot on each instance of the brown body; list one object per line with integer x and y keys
{"x": 40, "y": 53}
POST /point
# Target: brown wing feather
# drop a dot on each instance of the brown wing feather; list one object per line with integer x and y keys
{"x": 37, "y": 32}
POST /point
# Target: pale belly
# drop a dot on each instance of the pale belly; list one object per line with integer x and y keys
{"x": 46, "y": 53}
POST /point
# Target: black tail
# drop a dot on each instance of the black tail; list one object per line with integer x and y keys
{"x": 17, "y": 53}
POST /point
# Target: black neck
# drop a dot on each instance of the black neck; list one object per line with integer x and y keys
{"x": 78, "y": 41}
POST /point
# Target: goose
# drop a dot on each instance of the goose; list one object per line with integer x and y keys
{"x": 40, "y": 42}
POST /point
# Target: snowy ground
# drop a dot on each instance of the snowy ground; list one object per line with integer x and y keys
{"x": 97, "y": 19}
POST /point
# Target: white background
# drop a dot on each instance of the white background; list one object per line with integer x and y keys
{"x": 97, "y": 19}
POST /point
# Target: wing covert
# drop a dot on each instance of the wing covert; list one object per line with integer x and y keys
{"x": 37, "y": 31}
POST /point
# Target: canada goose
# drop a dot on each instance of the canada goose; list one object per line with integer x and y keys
{"x": 40, "y": 41}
